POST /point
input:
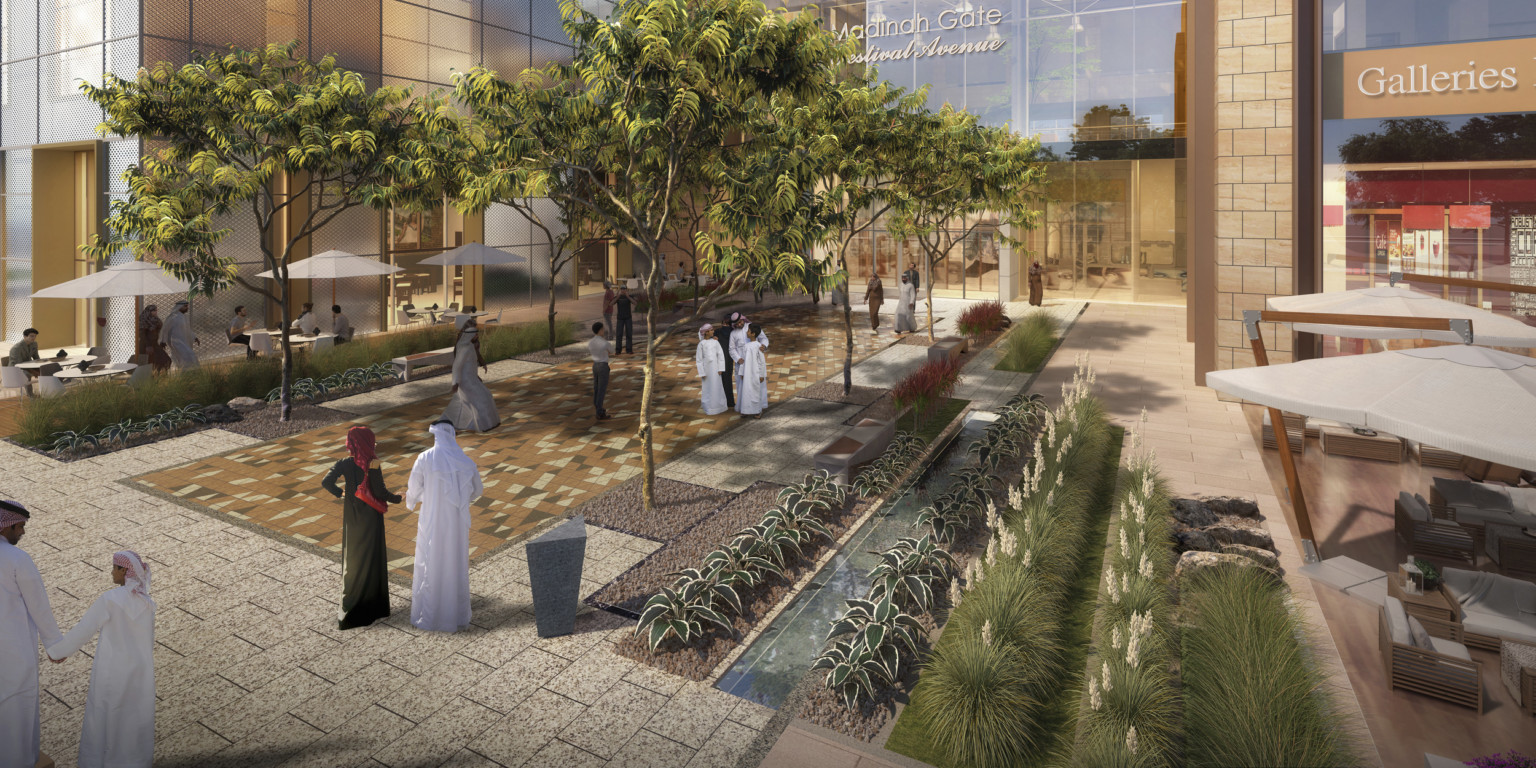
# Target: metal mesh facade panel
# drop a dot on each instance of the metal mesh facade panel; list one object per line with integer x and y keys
{"x": 218, "y": 24}
{"x": 348, "y": 28}
{"x": 546, "y": 20}
{"x": 545, "y": 52}
{"x": 64, "y": 113}
{"x": 16, "y": 205}
{"x": 288, "y": 20}
{"x": 505, "y": 226}
{"x": 354, "y": 231}
{"x": 18, "y": 115}
{"x": 506, "y": 52}
{"x": 123, "y": 58}
{"x": 507, "y": 14}
{"x": 21, "y": 27}
{"x": 167, "y": 18}
{"x": 176, "y": 52}
{"x": 120, "y": 334}
{"x": 122, "y": 19}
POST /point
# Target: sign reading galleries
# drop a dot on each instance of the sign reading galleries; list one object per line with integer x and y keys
{"x": 1484, "y": 77}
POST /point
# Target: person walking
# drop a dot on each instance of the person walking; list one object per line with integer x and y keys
{"x": 711, "y": 364}
{"x": 609, "y": 297}
{"x": 119, "y": 726}
{"x": 906, "y": 307}
{"x": 472, "y": 408}
{"x": 443, "y": 483}
{"x": 624, "y": 332}
{"x": 1036, "y": 284}
{"x": 599, "y": 347}
{"x": 177, "y": 337}
{"x": 364, "y": 564}
{"x": 727, "y": 376}
{"x": 25, "y": 616}
{"x": 874, "y": 295}
{"x": 754, "y": 392}
{"x": 149, "y": 339}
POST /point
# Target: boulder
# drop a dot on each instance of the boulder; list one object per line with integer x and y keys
{"x": 245, "y": 404}
{"x": 1231, "y": 505}
{"x": 1194, "y": 513}
{"x": 1262, "y": 557}
{"x": 1195, "y": 540}
{"x": 221, "y": 414}
{"x": 1191, "y": 563}
{"x": 1250, "y": 537}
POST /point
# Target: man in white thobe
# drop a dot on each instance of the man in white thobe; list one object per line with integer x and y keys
{"x": 739, "y": 343}
{"x": 119, "y": 727}
{"x": 754, "y": 391}
{"x": 711, "y": 363}
{"x": 443, "y": 483}
{"x": 24, "y": 617}
{"x": 176, "y": 336}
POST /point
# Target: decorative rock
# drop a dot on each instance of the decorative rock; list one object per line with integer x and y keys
{"x": 1194, "y": 540}
{"x": 221, "y": 414}
{"x": 1203, "y": 562}
{"x": 1231, "y": 505}
{"x": 1263, "y": 558}
{"x": 554, "y": 572}
{"x": 244, "y": 404}
{"x": 1194, "y": 513}
{"x": 1231, "y": 534}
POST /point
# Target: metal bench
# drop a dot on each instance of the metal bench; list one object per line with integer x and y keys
{"x": 404, "y": 365}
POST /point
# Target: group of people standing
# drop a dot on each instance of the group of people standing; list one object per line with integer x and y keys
{"x": 738, "y": 355}
{"x": 906, "y": 302}
{"x": 167, "y": 342}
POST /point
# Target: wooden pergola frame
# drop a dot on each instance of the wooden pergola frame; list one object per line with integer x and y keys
{"x": 1252, "y": 318}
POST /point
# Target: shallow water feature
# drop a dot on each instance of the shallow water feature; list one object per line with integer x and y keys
{"x": 784, "y": 652}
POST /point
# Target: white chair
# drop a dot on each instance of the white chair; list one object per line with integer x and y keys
{"x": 403, "y": 318}
{"x": 141, "y": 374}
{"x": 102, "y": 360}
{"x": 97, "y": 351}
{"x": 49, "y": 386}
{"x": 324, "y": 343}
{"x": 15, "y": 378}
{"x": 261, "y": 343}
{"x": 495, "y": 319}
{"x": 453, "y": 306}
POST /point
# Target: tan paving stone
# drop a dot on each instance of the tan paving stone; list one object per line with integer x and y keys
{"x": 453, "y": 726}
{"x": 498, "y": 646}
{"x": 648, "y": 749}
{"x": 260, "y": 669}
{"x": 691, "y": 715}
{"x": 617, "y": 716}
{"x": 506, "y": 688}
{"x": 527, "y": 729}
{"x": 362, "y": 647}
{"x": 725, "y": 746}
{"x": 559, "y": 754}
{"x": 751, "y": 714}
{"x": 354, "y": 741}
{"x": 269, "y": 745}
{"x": 590, "y": 676}
{"x": 257, "y": 709}
{"x": 418, "y": 699}
{"x": 337, "y": 706}
{"x": 188, "y": 745}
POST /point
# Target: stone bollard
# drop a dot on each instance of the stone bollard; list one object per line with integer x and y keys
{"x": 554, "y": 569}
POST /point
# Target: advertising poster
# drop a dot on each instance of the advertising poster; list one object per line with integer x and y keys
{"x": 1522, "y": 262}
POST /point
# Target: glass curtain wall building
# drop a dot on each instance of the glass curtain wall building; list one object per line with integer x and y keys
{"x": 59, "y": 175}
{"x": 1101, "y": 82}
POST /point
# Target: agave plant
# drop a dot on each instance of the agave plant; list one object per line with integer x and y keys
{"x": 70, "y": 441}
{"x": 945, "y": 525}
{"x": 720, "y": 594}
{"x": 906, "y": 572}
{"x": 680, "y": 613}
{"x": 773, "y": 543}
{"x": 800, "y": 520}
{"x": 741, "y": 563}
{"x": 849, "y": 667}
{"x": 119, "y": 433}
{"x": 882, "y": 630}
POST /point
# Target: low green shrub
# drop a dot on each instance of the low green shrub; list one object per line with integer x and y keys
{"x": 1252, "y": 696}
{"x": 1026, "y": 347}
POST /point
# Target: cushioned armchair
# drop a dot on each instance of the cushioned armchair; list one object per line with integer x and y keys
{"x": 1435, "y": 664}
{"x": 1517, "y": 667}
{"x": 1493, "y": 607}
{"x": 1511, "y": 548}
{"x": 1430, "y": 537}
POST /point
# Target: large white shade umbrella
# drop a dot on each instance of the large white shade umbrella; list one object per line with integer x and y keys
{"x": 332, "y": 265}
{"x": 1475, "y": 401}
{"x": 1488, "y": 329}
{"x": 136, "y": 278}
{"x": 473, "y": 254}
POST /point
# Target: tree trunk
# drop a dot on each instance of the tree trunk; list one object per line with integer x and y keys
{"x": 286, "y": 396}
{"x": 928, "y": 294}
{"x": 647, "y": 455}
{"x": 848, "y": 336}
{"x": 552, "y": 310}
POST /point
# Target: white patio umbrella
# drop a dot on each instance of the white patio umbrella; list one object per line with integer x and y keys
{"x": 136, "y": 278}
{"x": 1475, "y": 401}
{"x": 472, "y": 254}
{"x": 1488, "y": 329}
{"x": 334, "y": 264}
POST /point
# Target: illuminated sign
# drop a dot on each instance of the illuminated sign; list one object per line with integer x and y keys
{"x": 917, "y": 48}
{"x": 1459, "y": 79}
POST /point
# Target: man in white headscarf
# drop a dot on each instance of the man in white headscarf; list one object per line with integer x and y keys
{"x": 24, "y": 617}
{"x": 711, "y": 362}
{"x": 119, "y": 727}
{"x": 739, "y": 342}
{"x": 443, "y": 483}
{"x": 176, "y": 336}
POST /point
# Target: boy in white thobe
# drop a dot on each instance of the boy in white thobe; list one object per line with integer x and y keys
{"x": 119, "y": 727}
{"x": 711, "y": 362}
{"x": 443, "y": 483}
{"x": 24, "y": 616}
{"x": 739, "y": 343}
{"x": 754, "y": 393}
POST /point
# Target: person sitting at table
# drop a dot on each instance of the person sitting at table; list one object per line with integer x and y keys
{"x": 307, "y": 323}
{"x": 25, "y": 351}
{"x": 237, "y": 330}
{"x": 341, "y": 327}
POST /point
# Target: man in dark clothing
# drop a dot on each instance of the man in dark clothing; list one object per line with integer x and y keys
{"x": 624, "y": 330}
{"x": 912, "y": 277}
{"x": 728, "y": 376}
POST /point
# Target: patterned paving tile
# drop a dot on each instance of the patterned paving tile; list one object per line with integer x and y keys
{"x": 548, "y": 456}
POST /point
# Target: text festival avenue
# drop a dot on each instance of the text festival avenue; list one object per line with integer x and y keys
{"x": 949, "y": 19}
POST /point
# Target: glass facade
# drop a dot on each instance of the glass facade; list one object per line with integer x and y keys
{"x": 1427, "y": 187}
{"x": 1101, "y": 82}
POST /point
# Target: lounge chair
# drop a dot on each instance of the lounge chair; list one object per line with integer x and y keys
{"x": 1436, "y": 664}
{"x": 1430, "y": 537}
{"x": 1492, "y": 607}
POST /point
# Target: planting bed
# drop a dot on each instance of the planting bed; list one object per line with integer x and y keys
{"x": 264, "y": 424}
{"x": 679, "y": 506}
{"x": 832, "y": 392}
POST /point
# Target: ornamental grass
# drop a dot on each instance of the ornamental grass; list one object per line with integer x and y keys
{"x": 927, "y": 387}
{"x": 1027, "y": 346}
{"x": 981, "y": 318}
{"x": 1252, "y": 695}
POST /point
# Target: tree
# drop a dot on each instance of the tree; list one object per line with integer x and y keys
{"x": 954, "y": 173}
{"x": 233, "y": 126}
{"x": 660, "y": 93}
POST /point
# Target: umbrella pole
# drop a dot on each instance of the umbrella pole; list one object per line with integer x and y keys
{"x": 1287, "y": 461}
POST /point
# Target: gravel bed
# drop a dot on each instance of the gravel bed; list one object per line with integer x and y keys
{"x": 567, "y": 354}
{"x": 832, "y": 392}
{"x": 882, "y": 409}
{"x": 679, "y": 506}
{"x": 699, "y": 661}
{"x": 263, "y": 424}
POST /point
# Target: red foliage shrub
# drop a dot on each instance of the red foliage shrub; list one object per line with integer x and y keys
{"x": 667, "y": 301}
{"x": 925, "y": 388}
{"x": 982, "y": 318}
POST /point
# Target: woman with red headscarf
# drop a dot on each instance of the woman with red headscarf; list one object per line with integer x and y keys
{"x": 364, "y": 564}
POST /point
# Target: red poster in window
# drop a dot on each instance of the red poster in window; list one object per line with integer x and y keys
{"x": 1333, "y": 215}
{"x": 1471, "y": 216}
{"x": 1423, "y": 217}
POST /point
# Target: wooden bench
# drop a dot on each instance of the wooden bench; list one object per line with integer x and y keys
{"x": 404, "y": 365}
{"x": 947, "y": 348}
